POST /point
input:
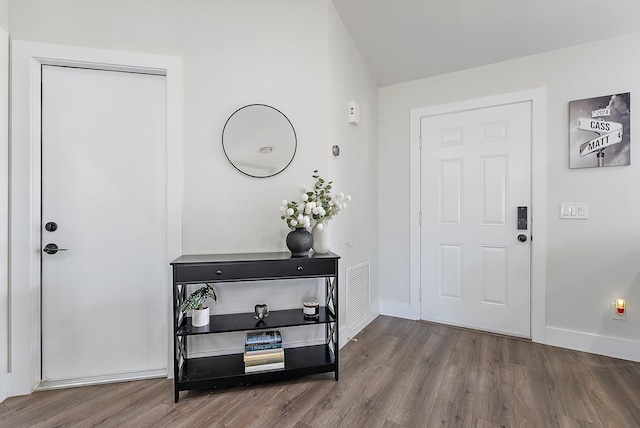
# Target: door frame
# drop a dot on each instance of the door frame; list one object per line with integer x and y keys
{"x": 27, "y": 59}
{"x": 537, "y": 98}
{"x": 4, "y": 214}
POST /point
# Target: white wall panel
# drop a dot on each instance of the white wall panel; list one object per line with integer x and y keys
{"x": 495, "y": 275}
{"x": 450, "y": 191}
{"x": 493, "y": 188}
{"x": 451, "y": 137}
{"x": 494, "y": 132}
{"x": 450, "y": 276}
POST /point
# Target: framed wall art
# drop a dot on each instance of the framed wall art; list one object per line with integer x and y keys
{"x": 600, "y": 131}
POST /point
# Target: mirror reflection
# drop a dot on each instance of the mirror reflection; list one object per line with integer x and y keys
{"x": 259, "y": 140}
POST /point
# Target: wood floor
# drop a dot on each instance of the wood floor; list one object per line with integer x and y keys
{"x": 399, "y": 373}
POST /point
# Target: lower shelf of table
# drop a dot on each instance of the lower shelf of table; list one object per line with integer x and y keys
{"x": 226, "y": 370}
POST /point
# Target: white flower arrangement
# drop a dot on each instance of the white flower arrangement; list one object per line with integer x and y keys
{"x": 296, "y": 214}
{"x": 317, "y": 204}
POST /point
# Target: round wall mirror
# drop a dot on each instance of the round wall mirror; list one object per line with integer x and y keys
{"x": 259, "y": 140}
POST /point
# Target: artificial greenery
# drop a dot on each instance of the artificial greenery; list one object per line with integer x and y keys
{"x": 315, "y": 204}
{"x": 327, "y": 205}
{"x": 197, "y": 299}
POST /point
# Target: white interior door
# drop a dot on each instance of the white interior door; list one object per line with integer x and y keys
{"x": 104, "y": 185}
{"x": 475, "y": 173}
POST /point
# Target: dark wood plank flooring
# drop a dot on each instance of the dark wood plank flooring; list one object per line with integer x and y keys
{"x": 398, "y": 373}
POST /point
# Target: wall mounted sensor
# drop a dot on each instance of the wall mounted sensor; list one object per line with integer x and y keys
{"x": 354, "y": 112}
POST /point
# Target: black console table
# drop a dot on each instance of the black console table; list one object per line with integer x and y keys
{"x": 224, "y": 370}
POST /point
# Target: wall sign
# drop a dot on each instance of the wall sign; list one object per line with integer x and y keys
{"x": 599, "y": 131}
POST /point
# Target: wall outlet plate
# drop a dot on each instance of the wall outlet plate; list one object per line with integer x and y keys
{"x": 615, "y": 315}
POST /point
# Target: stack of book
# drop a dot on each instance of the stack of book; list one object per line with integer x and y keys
{"x": 263, "y": 351}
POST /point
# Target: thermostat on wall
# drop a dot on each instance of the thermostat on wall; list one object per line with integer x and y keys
{"x": 354, "y": 112}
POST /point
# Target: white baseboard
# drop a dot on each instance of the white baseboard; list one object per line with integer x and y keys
{"x": 354, "y": 330}
{"x": 602, "y": 345}
{"x": 46, "y": 385}
{"x": 395, "y": 309}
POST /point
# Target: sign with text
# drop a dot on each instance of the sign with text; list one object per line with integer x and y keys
{"x": 599, "y": 131}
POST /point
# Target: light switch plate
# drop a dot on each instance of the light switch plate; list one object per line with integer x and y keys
{"x": 574, "y": 210}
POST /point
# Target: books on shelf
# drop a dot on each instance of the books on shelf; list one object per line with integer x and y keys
{"x": 263, "y": 337}
{"x": 264, "y": 367}
{"x": 270, "y": 357}
{"x": 265, "y": 347}
{"x": 263, "y": 351}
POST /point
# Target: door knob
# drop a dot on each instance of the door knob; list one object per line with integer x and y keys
{"x": 522, "y": 238}
{"x": 52, "y": 249}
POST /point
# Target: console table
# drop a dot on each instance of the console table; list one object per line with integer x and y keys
{"x": 224, "y": 370}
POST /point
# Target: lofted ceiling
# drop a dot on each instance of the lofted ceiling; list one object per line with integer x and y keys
{"x": 403, "y": 40}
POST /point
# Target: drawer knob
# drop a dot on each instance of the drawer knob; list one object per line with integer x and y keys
{"x": 299, "y": 268}
{"x": 218, "y": 272}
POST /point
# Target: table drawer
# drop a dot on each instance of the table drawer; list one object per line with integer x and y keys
{"x": 244, "y": 271}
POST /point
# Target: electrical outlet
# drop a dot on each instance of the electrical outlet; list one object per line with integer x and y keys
{"x": 615, "y": 315}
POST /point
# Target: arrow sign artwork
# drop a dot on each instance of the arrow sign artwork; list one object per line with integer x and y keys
{"x": 599, "y": 126}
{"x": 599, "y": 131}
{"x": 601, "y": 142}
{"x": 610, "y": 134}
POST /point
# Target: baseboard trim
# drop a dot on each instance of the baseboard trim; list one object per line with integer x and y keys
{"x": 354, "y": 330}
{"x": 602, "y": 345}
{"x": 47, "y": 385}
{"x": 395, "y": 309}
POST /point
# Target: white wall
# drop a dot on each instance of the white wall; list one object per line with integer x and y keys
{"x": 589, "y": 263}
{"x": 4, "y": 210}
{"x": 4, "y": 14}
{"x": 293, "y": 55}
{"x": 355, "y": 170}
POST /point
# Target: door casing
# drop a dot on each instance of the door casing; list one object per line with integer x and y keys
{"x": 537, "y": 97}
{"x": 25, "y": 190}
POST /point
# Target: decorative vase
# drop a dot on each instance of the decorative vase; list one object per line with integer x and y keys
{"x": 299, "y": 242}
{"x": 321, "y": 238}
{"x": 200, "y": 317}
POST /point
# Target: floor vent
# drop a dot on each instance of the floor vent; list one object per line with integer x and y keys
{"x": 357, "y": 299}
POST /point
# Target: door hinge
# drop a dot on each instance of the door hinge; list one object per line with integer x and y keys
{"x": 420, "y": 218}
{"x": 420, "y": 142}
{"x": 420, "y": 294}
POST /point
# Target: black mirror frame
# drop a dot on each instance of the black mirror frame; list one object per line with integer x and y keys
{"x": 295, "y": 141}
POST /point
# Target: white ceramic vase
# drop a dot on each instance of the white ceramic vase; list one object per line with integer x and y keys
{"x": 200, "y": 317}
{"x": 321, "y": 238}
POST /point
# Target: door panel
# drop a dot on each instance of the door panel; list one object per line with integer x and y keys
{"x": 475, "y": 173}
{"x": 104, "y": 185}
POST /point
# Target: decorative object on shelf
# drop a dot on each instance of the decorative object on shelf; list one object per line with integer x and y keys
{"x": 321, "y": 237}
{"x": 326, "y": 206}
{"x": 195, "y": 303}
{"x": 317, "y": 204}
{"x": 299, "y": 242}
{"x": 311, "y": 308}
{"x": 296, "y": 215}
{"x": 262, "y": 311}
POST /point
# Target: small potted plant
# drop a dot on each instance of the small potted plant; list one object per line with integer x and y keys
{"x": 195, "y": 302}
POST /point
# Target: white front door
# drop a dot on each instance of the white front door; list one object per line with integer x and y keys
{"x": 104, "y": 181}
{"x": 475, "y": 173}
